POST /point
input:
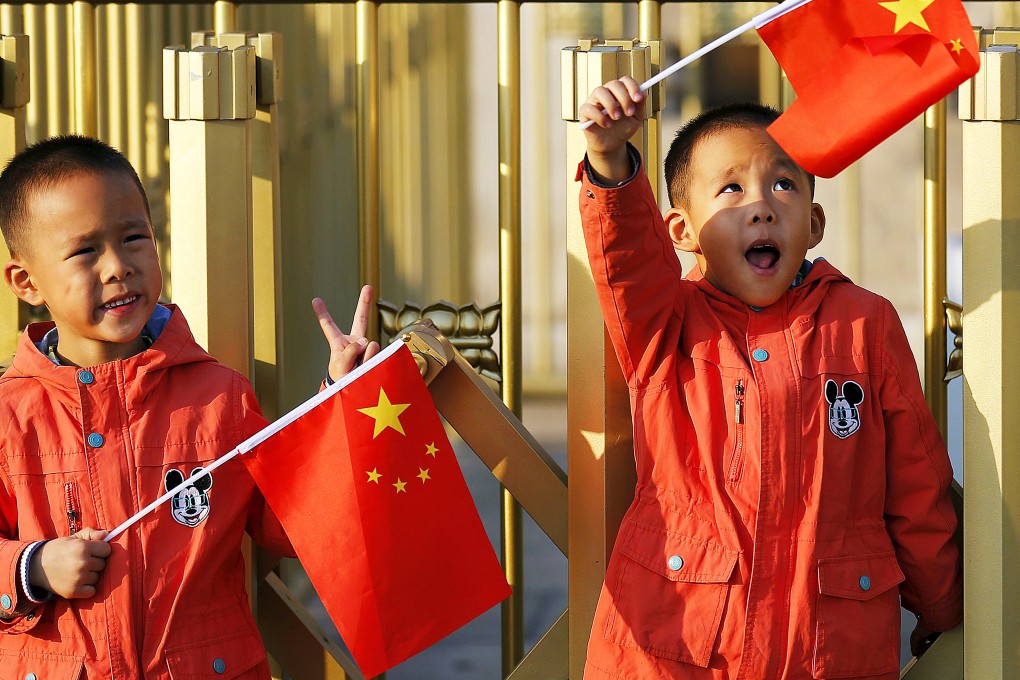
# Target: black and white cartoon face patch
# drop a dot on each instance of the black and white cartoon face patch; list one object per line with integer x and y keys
{"x": 190, "y": 505}
{"x": 844, "y": 418}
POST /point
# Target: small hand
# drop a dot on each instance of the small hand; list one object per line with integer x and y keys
{"x": 347, "y": 350}
{"x": 618, "y": 110}
{"x": 70, "y": 566}
{"x": 921, "y": 639}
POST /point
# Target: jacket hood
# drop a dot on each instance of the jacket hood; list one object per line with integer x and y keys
{"x": 139, "y": 374}
{"x": 803, "y": 298}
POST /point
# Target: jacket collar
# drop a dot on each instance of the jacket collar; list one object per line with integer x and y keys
{"x": 140, "y": 373}
{"x": 803, "y": 298}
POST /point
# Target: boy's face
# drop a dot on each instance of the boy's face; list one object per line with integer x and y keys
{"x": 749, "y": 218}
{"x": 90, "y": 257}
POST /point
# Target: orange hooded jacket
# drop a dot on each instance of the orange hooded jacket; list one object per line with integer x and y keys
{"x": 792, "y": 485}
{"x": 92, "y": 447}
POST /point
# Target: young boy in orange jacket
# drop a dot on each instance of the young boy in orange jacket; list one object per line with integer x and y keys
{"x": 792, "y": 485}
{"x": 103, "y": 410}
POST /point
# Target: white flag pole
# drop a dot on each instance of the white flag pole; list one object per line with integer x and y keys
{"x": 262, "y": 435}
{"x": 756, "y": 22}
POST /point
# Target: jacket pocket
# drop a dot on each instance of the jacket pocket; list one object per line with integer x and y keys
{"x": 17, "y": 665}
{"x": 668, "y": 593}
{"x": 857, "y": 630}
{"x": 223, "y": 658}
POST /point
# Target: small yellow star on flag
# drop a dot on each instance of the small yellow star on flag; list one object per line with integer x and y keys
{"x": 430, "y": 449}
{"x": 385, "y": 414}
{"x": 423, "y": 474}
{"x": 373, "y": 475}
{"x": 908, "y": 12}
{"x": 956, "y": 45}
{"x": 400, "y": 486}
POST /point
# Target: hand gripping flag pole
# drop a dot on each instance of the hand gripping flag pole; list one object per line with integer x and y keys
{"x": 756, "y": 22}
{"x": 259, "y": 437}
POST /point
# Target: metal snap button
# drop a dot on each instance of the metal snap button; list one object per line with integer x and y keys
{"x": 6, "y": 602}
{"x": 759, "y": 355}
{"x": 31, "y": 676}
{"x": 219, "y": 665}
{"x": 865, "y": 583}
{"x": 95, "y": 440}
{"x": 86, "y": 377}
{"x": 675, "y": 563}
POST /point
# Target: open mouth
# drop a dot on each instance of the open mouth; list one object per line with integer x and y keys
{"x": 762, "y": 256}
{"x": 121, "y": 302}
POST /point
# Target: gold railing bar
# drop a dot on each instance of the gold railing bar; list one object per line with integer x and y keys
{"x": 935, "y": 389}
{"x": 367, "y": 105}
{"x": 547, "y": 660}
{"x": 509, "y": 123}
{"x": 224, "y": 16}
{"x": 12, "y": 19}
{"x": 58, "y": 68}
{"x": 296, "y": 638}
{"x": 86, "y": 120}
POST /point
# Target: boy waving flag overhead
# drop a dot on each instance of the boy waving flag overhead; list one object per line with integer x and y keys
{"x": 368, "y": 490}
{"x": 862, "y": 69}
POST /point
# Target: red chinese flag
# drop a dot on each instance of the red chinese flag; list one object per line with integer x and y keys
{"x": 862, "y": 69}
{"x": 370, "y": 494}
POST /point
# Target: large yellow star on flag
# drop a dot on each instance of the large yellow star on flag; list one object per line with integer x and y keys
{"x": 908, "y": 12}
{"x": 385, "y": 414}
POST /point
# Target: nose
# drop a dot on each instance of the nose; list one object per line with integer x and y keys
{"x": 761, "y": 212}
{"x": 115, "y": 266}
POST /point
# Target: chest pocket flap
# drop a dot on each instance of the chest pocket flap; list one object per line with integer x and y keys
{"x": 222, "y": 659}
{"x": 41, "y": 665}
{"x": 858, "y": 578}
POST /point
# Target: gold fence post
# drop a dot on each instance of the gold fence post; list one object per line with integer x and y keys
{"x": 209, "y": 99}
{"x": 14, "y": 94}
{"x": 266, "y": 239}
{"x": 599, "y": 441}
{"x": 991, "y": 240}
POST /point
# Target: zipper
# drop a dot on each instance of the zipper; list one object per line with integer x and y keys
{"x": 738, "y": 419}
{"x": 71, "y": 508}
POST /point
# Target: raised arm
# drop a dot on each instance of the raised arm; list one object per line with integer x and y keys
{"x": 634, "y": 264}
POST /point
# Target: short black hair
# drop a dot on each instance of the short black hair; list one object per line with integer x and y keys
{"x": 46, "y": 163}
{"x": 728, "y": 117}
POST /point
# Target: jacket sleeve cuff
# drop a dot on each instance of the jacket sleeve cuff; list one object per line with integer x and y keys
{"x": 34, "y": 596}
{"x": 635, "y": 162}
{"x": 17, "y": 613}
{"x": 946, "y": 614}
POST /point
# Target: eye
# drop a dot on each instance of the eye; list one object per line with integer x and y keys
{"x": 783, "y": 184}
{"x": 83, "y": 251}
{"x": 137, "y": 237}
{"x": 730, "y": 189}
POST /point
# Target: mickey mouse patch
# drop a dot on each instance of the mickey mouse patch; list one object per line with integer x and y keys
{"x": 844, "y": 418}
{"x": 190, "y": 505}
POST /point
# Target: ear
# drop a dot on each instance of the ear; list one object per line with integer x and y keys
{"x": 203, "y": 484}
{"x": 853, "y": 393}
{"x": 20, "y": 281}
{"x": 678, "y": 225}
{"x": 831, "y": 391}
{"x": 173, "y": 478}
{"x": 817, "y": 225}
